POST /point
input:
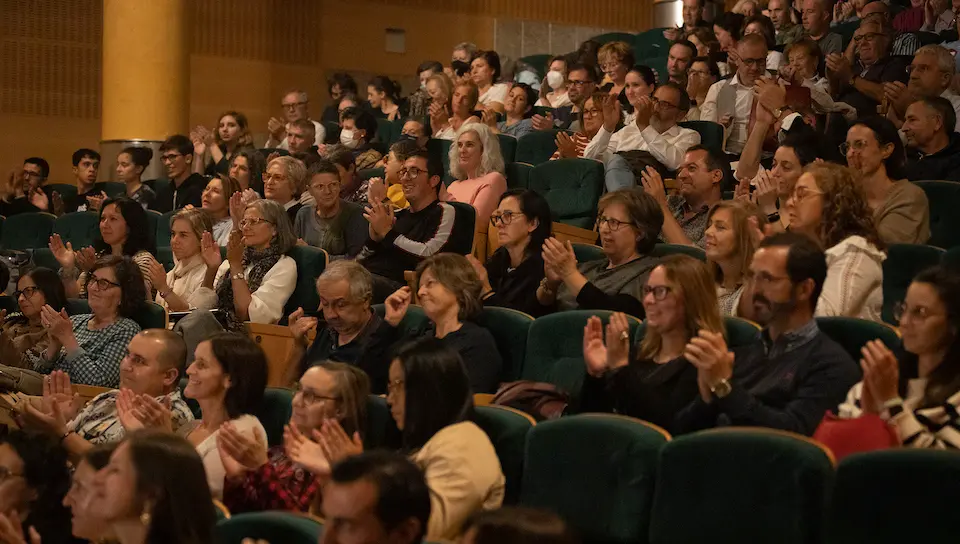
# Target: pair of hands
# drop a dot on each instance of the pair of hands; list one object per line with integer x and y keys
{"x": 58, "y": 405}
{"x": 11, "y": 531}
{"x": 543, "y": 122}
{"x": 559, "y": 260}
{"x": 881, "y": 376}
{"x": 439, "y": 115}
{"x": 277, "y": 129}
{"x": 202, "y": 139}
{"x": 376, "y": 191}
{"x": 241, "y": 452}
{"x": 143, "y": 411}
{"x": 381, "y": 218}
{"x": 602, "y": 353}
{"x": 300, "y": 326}
{"x": 764, "y": 196}
{"x": 839, "y": 68}
{"x": 83, "y": 259}
{"x": 57, "y": 324}
{"x": 566, "y": 146}
{"x": 329, "y": 445}
{"x": 708, "y": 352}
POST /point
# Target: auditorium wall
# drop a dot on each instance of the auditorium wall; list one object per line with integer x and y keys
{"x": 245, "y": 53}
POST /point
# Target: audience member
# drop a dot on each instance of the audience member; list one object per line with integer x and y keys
{"x": 185, "y": 187}
{"x": 629, "y": 222}
{"x": 485, "y": 72}
{"x": 830, "y": 206}
{"x": 803, "y": 68}
{"x": 399, "y": 152}
{"x": 352, "y": 187}
{"x": 446, "y": 121}
{"x": 89, "y": 347}
{"x": 477, "y": 166}
{"x": 911, "y": 18}
{"x": 933, "y": 149}
{"x": 179, "y": 290}
{"x": 705, "y": 41}
{"x": 764, "y": 27}
{"x": 301, "y": 137}
{"x": 654, "y": 384}
{"x": 615, "y": 59}
{"x": 862, "y": 84}
{"x": 448, "y": 290}
{"x": 216, "y": 202}
{"x": 701, "y": 75}
{"x": 419, "y": 102}
{"x": 931, "y": 75}
{"x": 86, "y": 166}
{"x": 383, "y": 95}
{"x": 36, "y": 170}
{"x": 22, "y": 193}
{"x": 553, "y": 89}
{"x": 816, "y": 16}
{"x": 131, "y": 162}
{"x": 340, "y": 84}
{"x": 590, "y": 122}
{"x": 283, "y": 182}
{"x": 296, "y": 105}
{"x": 376, "y": 497}
{"x": 517, "y": 525}
{"x": 692, "y": 14}
{"x": 729, "y": 102}
{"x": 36, "y": 481}
{"x": 227, "y": 379}
{"x": 246, "y": 170}
{"x": 679, "y": 57}
{"x": 904, "y": 43}
{"x": 582, "y": 81}
{"x": 512, "y": 274}
{"x": 359, "y": 128}
{"x": 415, "y": 130}
{"x": 86, "y": 522}
{"x": 701, "y": 177}
{"x": 730, "y": 241}
{"x": 517, "y": 107}
{"x": 793, "y": 373}
{"x": 330, "y": 400}
{"x": 332, "y": 224}
{"x": 215, "y": 150}
{"x": 23, "y": 338}
{"x": 728, "y": 30}
{"x": 154, "y": 490}
{"x": 787, "y": 31}
{"x": 257, "y": 278}
{"x": 901, "y": 213}
{"x": 917, "y": 392}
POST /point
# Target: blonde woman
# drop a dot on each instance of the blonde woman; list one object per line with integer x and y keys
{"x": 680, "y": 300}
{"x": 179, "y": 290}
{"x": 616, "y": 59}
{"x": 446, "y": 120}
{"x": 476, "y": 163}
{"x": 729, "y": 242}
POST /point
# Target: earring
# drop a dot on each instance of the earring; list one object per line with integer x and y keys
{"x": 145, "y": 518}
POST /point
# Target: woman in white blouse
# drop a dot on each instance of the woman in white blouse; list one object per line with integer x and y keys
{"x": 179, "y": 290}
{"x": 227, "y": 378}
{"x": 485, "y": 71}
{"x": 829, "y": 205}
{"x": 257, "y": 278}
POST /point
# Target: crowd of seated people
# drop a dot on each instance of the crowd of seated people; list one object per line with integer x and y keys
{"x": 778, "y": 147}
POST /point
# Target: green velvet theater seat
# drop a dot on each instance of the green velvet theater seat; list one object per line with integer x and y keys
{"x": 852, "y": 333}
{"x": 78, "y": 228}
{"x": 572, "y": 188}
{"x": 537, "y": 146}
{"x": 903, "y": 262}
{"x": 274, "y": 413}
{"x": 25, "y": 231}
{"x": 509, "y": 329}
{"x": 507, "y": 429}
{"x": 272, "y": 526}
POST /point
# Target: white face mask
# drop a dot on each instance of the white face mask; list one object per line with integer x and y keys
{"x": 347, "y": 139}
{"x": 555, "y": 79}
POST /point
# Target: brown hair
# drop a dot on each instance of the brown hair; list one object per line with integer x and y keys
{"x": 845, "y": 210}
{"x": 199, "y": 219}
{"x": 456, "y": 274}
{"x": 616, "y": 51}
{"x": 352, "y": 388}
{"x": 229, "y": 185}
{"x": 445, "y": 83}
{"x": 474, "y": 92}
{"x": 245, "y": 138}
{"x": 645, "y": 215}
{"x": 598, "y": 98}
{"x": 693, "y": 284}
{"x": 746, "y": 244}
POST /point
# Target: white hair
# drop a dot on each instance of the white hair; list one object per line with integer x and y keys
{"x": 945, "y": 61}
{"x": 491, "y": 160}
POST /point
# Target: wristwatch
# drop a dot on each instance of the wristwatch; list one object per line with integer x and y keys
{"x": 238, "y": 276}
{"x": 722, "y": 389}
{"x": 777, "y": 113}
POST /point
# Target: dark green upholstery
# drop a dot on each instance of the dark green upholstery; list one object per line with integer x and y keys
{"x": 275, "y": 412}
{"x": 711, "y": 134}
{"x": 154, "y": 219}
{"x": 662, "y": 250}
{"x": 158, "y": 184}
{"x": 151, "y": 316}
{"x": 464, "y": 223}
{"x": 267, "y": 151}
{"x": 604, "y": 39}
{"x": 163, "y": 228}
{"x": 659, "y": 66}
{"x": 509, "y": 329}
{"x": 42, "y": 256}
{"x": 77, "y": 306}
{"x": 537, "y": 62}
{"x": 332, "y": 132}
{"x": 508, "y": 147}
{"x": 507, "y": 430}
{"x": 8, "y": 303}
{"x": 440, "y": 149}
{"x": 896, "y": 496}
{"x": 537, "y": 146}
{"x": 27, "y": 231}
{"x": 852, "y": 333}
{"x": 572, "y": 188}
{"x": 740, "y": 332}
{"x": 951, "y": 259}
{"x": 65, "y": 190}
{"x": 651, "y": 44}
{"x": 78, "y": 228}
{"x": 944, "y": 198}
{"x": 412, "y": 324}
{"x": 846, "y": 30}
{"x": 740, "y": 485}
{"x": 385, "y": 131}
{"x": 588, "y": 252}
{"x": 555, "y": 349}
{"x": 371, "y": 173}
{"x": 381, "y": 431}
{"x": 272, "y": 526}
{"x": 518, "y": 175}
{"x": 903, "y": 262}
{"x": 311, "y": 262}
{"x": 165, "y": 257}
{"x": 596, "y": 471}
{"x": 114, "y": 189}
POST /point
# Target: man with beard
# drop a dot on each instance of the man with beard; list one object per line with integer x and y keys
{"x": 582, "y": 81}
{"x": 793, "y": 373}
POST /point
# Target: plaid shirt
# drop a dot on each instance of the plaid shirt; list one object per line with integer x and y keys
{"x": 693, "y": 227}
{"x": 98, "y": 423}
{"x": 280, "y": 484}
{"x": 97, "y": 361}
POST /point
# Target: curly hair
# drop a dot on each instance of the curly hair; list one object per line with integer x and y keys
{"x": 46, "y": 474}
{"x": 491, "y": 160}
{"x": 132, "y": 289}
{"x": 845, "y": 210}
{"x": 257, "y": 166}
{"x": 140, "y": 237}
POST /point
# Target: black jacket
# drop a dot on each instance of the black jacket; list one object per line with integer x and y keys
{"x": 516, "y": 288}
{"x": 942, "y": 165}
{"x": 189, "y": 192}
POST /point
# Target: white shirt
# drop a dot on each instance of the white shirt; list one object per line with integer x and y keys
{"x": 737, "y": 133}
{"x": 320, "y": 134}
{"x": 854, "y": 283}
{"x": 185, "y": 281}
{"x": 210, "y": 455}
{"x": 668, "y": 147}
{"x": 496, "y": 93}
{"x": 954, "y": 99}
{"x": 774, "y": 60}
{"x": 267, "y": 302}
{"x": 221, "y": 231}
{"x": 558, "y": 101}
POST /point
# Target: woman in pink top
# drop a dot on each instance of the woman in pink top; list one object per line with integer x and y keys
{"x": 476, "y": 162}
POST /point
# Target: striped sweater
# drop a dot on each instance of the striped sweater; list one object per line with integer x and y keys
{"x": 937, "y": 427}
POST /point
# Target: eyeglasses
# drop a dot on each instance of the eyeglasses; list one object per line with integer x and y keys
{"x": 611, "y": 223}
{"x": 869, "y": 36}
{"x": 659, "y": 292}
{"x": 326, "y": 188}
{"x": 293, "y": 105}
{"x": 394, "y": 387}
{"x": 915, "y": 313}
{"x": 800, "y": 194}
{"x": 591, "y": 113}
{"x": 27, "y": 292}
{"x": 610, "y": 66}
{"x": 274, "y": 177}
{"x": 410, "y": 173}
{"x": 170, "y": 157}
{"x": 102, "y": 284}
{"x": 577, "y": 82}
{"x": 504, "y": 218}
{"x": 310, "y": 397}
{"x": 29, "y": 174}
{"x": 253, "y": 222}
{"x": 662, "y": 104}
{"x": 6, "y": 474}
{"x": 756, "y": 63}
{"x": 856, "y": 145}
{"x": 763, "y": 278}
{"x": 921, "y": 68}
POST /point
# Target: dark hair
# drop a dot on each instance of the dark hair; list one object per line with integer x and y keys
{"x": 404, "y": 149}
{"x": 4, "y": 277}
{"x": 886, "y": 133}
{"x": 589, "y": 68}
{"x": 716, "y": 160}
{"x": 519, "y": 525}
{"x": 683, "y": 104}
{"x": 363, "y": 120}
{"x": 942, "y": 107}
{"x": 339, "y": 154}
{"x": 534, "y": 207}
{"x": 402, "y": 491}
{"x": 732, "y": 23}
{"x": 244, "y": 361}
{"x": 141, "y": 156}
{"x": 645, "y": 214}
{"x": 343, "y": 80}
{"x": 587, "y": 52}
{"x": 99, "y": 455}
{"x": 432, "y": 65}
{"x": 530, "y": 94}
{"x": 50, "y": 285}
{"x": 140, "y": 237}
{"x": 766, "y": 27}
{"x": 711, "y": 65}
{"x": 646, "y": 73}
{"x": 42, "y": 163}
{"x": 686, "y": 43}
{"x": 84, "y": 153}
{"x": 132, "y": 289}
{"x": 171, "y": 476}
{"x": 806, "y": 148}
{"x": 944, "y": 380}
{"x": 437, "y": 390}
{"x": 805, "y": 260}
{"x": 383, "y": 84}
{"x": 179, "y": 143}
{"x": 322, "y": 166}
{"x": 417, "y": 119}
{"x": 46, "y": 473}
{"x": 492, "y": 59}
{"x": 257, "y": 165}
{"x": 434, "y": 163}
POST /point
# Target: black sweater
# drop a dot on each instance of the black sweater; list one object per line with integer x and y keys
{"x": 515, "y": 288}
{"x": 189, "y": 192}
{"x": 942, "y": 165}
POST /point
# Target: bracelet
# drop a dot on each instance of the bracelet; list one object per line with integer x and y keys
{"x": 545, "y": 285}
{"x": 486, "y": 294}
{"x": 775, "y": 216}
{"x": 64, "y": 436}
{"x": 164, "y": 294}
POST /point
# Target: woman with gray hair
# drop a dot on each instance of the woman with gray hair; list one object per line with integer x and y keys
{"x": 476, "y": 163}
{"x": 283, "y": 183}
{"x": 257, "y": 279}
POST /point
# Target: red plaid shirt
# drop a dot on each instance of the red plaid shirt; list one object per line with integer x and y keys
{"x": 280, "y": 484}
